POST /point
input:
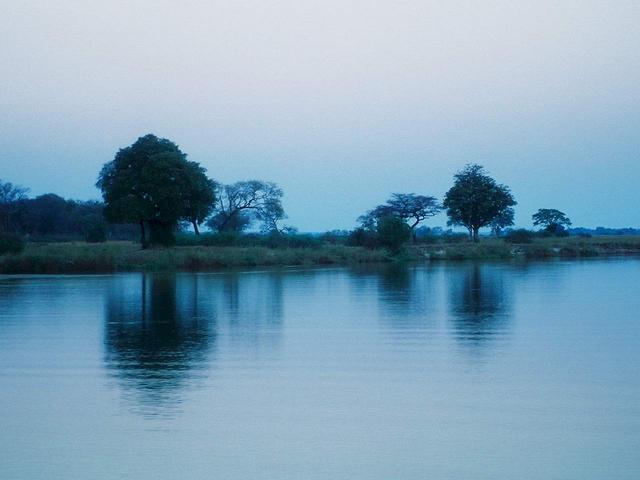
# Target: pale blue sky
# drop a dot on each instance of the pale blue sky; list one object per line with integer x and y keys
{"x": 339, "y": 102}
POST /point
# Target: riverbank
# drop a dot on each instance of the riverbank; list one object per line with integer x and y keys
{"x": 78, "y": 257}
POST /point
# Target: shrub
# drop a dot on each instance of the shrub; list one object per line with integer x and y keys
{"x": 455, "y": 237}
{"x": 11, "y": 244}
{"x": 95, "y": 233}
{"x": 393, "y": 233}
{"x": 361, "y": 237}
{"x": 521, "y": 235}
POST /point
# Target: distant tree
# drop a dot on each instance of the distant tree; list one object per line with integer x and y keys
{"x": 10, "y": 196}
{"x": 503, "y": 220}
{"x": 551, "y": 220}
{"x": 152, "y": 183}
{"x": 393, "y": 233}
{"x": 240, "y": 203}
{"x": 47, "y": 215}
{"x": 475, "y": 200}
{"x": 409, "y": 207}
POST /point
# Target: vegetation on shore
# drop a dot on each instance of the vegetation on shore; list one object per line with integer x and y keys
{"x": 152, "y": 191}
{"x": 81, "y": 257}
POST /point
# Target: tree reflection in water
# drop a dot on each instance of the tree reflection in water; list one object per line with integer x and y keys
{"x": 157, "y": 338}
{"x": 480, "y": 304}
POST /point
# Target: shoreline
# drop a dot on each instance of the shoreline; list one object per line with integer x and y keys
{"x": 112, "y": 257}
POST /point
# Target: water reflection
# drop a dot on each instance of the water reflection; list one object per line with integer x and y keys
{"x": 480, "y": 304}
{"x": 157, "y": 337}
{"x": 252, "y": 306}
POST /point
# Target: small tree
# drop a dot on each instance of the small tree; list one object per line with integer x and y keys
{"x": 393, "y": 233}
{"x": 475, "y": 200}
{"x": 411, "y": 208}
{"x": 551, "y": 220}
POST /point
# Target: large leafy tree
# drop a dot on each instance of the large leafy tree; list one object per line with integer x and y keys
{"x": 409, "y": 207}
{"x": 551, "y": 220}
{"x": 475, "y": 200}
{"x": 240, "y": 203}
{"x": 152, "y": 183}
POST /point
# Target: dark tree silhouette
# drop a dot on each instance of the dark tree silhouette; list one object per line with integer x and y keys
{"x": 475, "y": 200}
{"x": 10, "y": 195}
{"x": 200, "y": 197}
{"x": 240, "y": 203}
{"x": 551, "y": 220}
{"x": 409, "y": 207}
{"x": 151, "y": 182}
{"x": 393, "y": 233}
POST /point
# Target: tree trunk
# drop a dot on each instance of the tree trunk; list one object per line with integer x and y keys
{"x": 143, "y": 237}
{"x": 476, "y": 238}
{"x": 195, "y": 227}
{"x": 414, "y": 238}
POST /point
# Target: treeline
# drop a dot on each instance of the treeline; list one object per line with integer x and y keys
{"x": 50, "y": 217}
{"x": 152, "y": 191}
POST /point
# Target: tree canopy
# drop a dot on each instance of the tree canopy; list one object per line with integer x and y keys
{"x": 551, "y": 220}
{"x": 10, "y": 195}
{"x": 152, "y": 182}
{"x": 242, "y": 203}
{"x": 503, "y": 220}
{"x": 409, "y": 207}
{"x": 475, "y": 199}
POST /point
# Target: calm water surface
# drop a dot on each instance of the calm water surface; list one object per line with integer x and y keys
{"x": 466, "y": 371}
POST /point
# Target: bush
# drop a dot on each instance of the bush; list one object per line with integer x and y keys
{"x": 393, "y": 233}
{"x": 221, "y": 239}
{"x": 95, "y": 233}
{"x": 521, "y": 235}
{"x": 11, "y": 244}
{"x": 361, "y": 237}
{"x": 455, "y": 237}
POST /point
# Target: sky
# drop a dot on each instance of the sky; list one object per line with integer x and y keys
{"x": 339, "y": 102}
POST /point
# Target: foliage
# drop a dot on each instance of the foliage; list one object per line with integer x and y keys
{"x": 10, "y": 195}
{"x": 552, "y": 221}
{"x": 363, "y": 237}
{"x": 521, "y": 235}
{"x": 476, "y": 199}
{"x": 409, "y": 207}
{"x": 393, "y": 233}
{"x": 152, "y": 182}
{"x": 503, "y": 220}
{"x": 269, "y": 240}
{"x": 11, "y": 244}
{"x": 200, "y": 196}
{"x": 242, "y": 203}
{"x": 127, "y": 256}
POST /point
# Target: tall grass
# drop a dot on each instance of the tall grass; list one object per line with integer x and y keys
{"x": 80, "y": 257}
{"x": 128, "y": 256}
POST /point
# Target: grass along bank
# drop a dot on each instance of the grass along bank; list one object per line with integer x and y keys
{"x": 80, "y": 257}
{"x": 538, "y": 248}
